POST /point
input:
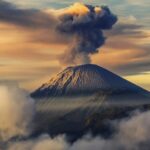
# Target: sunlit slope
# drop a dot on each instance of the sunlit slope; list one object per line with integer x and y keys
{"x": 87, "y": 80}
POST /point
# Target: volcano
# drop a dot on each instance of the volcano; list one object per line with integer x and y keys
{"x": 83, "y": 98}
{"x": 86, "y": 80}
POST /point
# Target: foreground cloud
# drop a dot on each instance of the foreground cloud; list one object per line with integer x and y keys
{"x": 16, "y": 112}
{"x": 44, "y": 142}
{"x": 131, "y": 134}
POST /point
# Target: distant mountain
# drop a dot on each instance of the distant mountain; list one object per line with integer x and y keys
{"x": 86, "y": 80}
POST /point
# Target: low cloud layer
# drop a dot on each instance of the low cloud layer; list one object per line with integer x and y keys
{"x": 131, "y": 134}
{"x": 16, "y": 112}
{"x": 44, "y": 142}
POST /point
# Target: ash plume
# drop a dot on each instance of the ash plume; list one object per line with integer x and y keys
{"x": 79, "y": 26}
{"x": 85, "y": 25}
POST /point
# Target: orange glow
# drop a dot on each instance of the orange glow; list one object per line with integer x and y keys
{"x": 77, "y": 9}
{"x": 98, "y": 10}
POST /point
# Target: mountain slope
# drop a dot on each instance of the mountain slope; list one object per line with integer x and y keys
{"x": 82, "y": 99}
{"x": 85, "y": 80}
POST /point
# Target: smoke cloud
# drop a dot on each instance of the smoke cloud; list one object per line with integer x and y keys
{"x": 79, "y": 26}
{"x": 84, "y": 23}
{"x": 131, "y": 133}
{"x": 16, "y": 112}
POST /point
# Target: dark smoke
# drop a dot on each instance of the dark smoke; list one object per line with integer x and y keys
{"x": 86, "y": 31}
{"x": 82, "y": 32}
{"x": 80, "y": 25}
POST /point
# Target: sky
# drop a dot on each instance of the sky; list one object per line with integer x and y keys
{"x": 29, "y": 52}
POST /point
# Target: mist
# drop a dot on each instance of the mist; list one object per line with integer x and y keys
{"x": 16, "y": 112}
{"x": 131, "y": 133}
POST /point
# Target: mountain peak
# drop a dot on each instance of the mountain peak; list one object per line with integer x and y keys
{"x": 84, "y": 79}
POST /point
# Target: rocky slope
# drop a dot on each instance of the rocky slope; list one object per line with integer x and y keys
{"x": 85, "y": 80}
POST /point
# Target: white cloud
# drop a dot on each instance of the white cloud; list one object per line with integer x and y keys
{"x": 16, "y": 112}
{"x": 132, "y": 134}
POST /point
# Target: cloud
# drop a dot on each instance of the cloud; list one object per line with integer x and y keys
{"x": 24, "y": 17}
{"x": 131, "y": 133}
{"x": 126, "y": 50}
{"x": 138, "y": 66}
{"x": 84, "y": 23}
{"x": 16, "y": 112}
{"x": 140, "y": 3}
{"x": 44, "y": 142}
{"x": 131, "y": 30}
{"x": 37, "y": 41}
